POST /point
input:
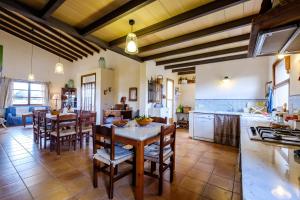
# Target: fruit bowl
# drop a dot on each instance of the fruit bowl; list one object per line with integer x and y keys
{"x": 120, "y": 123}
{"x": 143, "y": 121}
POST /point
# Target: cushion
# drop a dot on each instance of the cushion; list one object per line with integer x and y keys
{"x": 121, "y": 155}
{"x": 21, "y": 110}
{"x": 151, "y": 153}
{"x": 64, "y": 132}
{"x": 87, "y": 129}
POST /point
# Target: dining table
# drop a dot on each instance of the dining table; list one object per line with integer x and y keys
{"x": 139, "y": 137}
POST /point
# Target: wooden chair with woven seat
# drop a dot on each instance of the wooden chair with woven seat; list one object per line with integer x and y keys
{"x": 45, "y": 127}
{"x": 36, "y": 124}
{"x": 159, "y": 154}
{"x": 66, "y": 130}
{"x": 86, "y": 121}
{"x": 106, "y": 152}
{"x": 160, "y": 120}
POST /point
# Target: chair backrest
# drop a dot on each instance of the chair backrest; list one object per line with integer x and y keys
{"x": 35, "y": 118}
{"x": 160, "y": 120}
{"x": 87, "y": 118}
{"x": 100, "y": 135}
{"x": 167, "y": 137}
{"x": 69, "y": 121}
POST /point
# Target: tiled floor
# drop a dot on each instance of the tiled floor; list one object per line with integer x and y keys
{"x": 203, "y": 171}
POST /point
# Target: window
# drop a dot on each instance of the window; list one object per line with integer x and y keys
{"x": 27, "y": 93}
{"x": 88, "y": 92}
{"x": 170, "y": 97}
{"x": 281, "y": 83}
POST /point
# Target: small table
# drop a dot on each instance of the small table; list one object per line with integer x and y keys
{"x": 24, "y": 116}
{"x": 139, "y": 137}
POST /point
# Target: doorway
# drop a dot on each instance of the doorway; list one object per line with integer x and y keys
{"x": 170, "y": 98}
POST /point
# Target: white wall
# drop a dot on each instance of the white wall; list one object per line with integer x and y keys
{"x": 248, "y": 78}
{"x": 187, "y": 92}
{"x": 16, "y": 63}
{"x": 294, "y": 75}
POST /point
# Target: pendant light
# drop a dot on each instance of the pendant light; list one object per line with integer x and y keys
{"x": 131, "y": 46}
{"x": 31, "y": 75}
{"x": 59, "y": 67}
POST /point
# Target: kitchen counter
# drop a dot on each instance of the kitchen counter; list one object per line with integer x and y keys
{"x": 269, "y": 171}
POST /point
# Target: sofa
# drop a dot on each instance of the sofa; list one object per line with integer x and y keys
{"x": 13, "y": 114}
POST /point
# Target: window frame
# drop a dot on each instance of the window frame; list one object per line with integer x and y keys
{"x": 81, "y": 89}
{"x": 286, "y": 62}
{"x": 28, "y": 91}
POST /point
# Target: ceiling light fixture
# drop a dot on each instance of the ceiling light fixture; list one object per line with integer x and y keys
{"x": 280, "y": 56}
{"x": 31, "y": 75}
{"x": 131, "y": 46}
{"x": 226, "y": 79}
{"x": 59, "y": 67}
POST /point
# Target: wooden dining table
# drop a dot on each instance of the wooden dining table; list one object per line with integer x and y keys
{"x": 139, "y": 137}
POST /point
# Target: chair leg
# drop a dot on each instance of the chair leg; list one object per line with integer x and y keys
{"x": 133, "y": 168}
{"x": 58, "y": 145}
{"x": 153, "y": 167}
{"x": 160, "y": 185}
{"x": 111, "y": 182}
{"x": 45, "y": 140}
{"x": 75, "y": 141}
{"x": 95, "y": 177}
{"x": 172, "y": 168}
{"x": 80, "y": 140}
{"x": 116, "y": 170}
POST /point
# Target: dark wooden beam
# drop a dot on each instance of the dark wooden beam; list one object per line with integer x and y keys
{"x": 38, "y": 44}
{"x": 37, "y": 34}
{"x": 198, "y": 34}
{"x": 265, "y": 6}
{"x": 230, "y": 40}
{"x": 34, "y": 15}
{"x": 118, "y": 13}
{"x": 50, "y": 8}
{"x": 182, "y": 18}
{"x": 184, "y": 69}
{"x": 56, "y": 39}
{"x": 187, "y": 72}
{"x": 202, "y": 62}
{"x": 204, "y": 55}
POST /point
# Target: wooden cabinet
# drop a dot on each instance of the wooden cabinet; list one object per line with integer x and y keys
{"x": 68, "y": 97}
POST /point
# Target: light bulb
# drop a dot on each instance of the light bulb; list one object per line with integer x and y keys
{"x": 131, "y": 46}
{"x": 280, "y": 56}
{"x": 30, "y": 76}
{"x": 226, "y": 79}
{"x": 59, "y": 68}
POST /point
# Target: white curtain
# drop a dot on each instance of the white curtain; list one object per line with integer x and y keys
{"x": 46, "y": 94}
{"x": 9, "y": 94}
{"x": 4, "y": 83}
{"x": 88, "y": 96}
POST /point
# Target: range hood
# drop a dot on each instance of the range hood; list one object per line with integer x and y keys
{"x": 282, "y": 40}
{"x": 276, "y": 30}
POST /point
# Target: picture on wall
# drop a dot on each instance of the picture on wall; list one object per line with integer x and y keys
{"x": 133, "y": 94}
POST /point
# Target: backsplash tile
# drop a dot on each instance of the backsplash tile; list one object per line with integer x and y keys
{"x": 294, "y": 103}
{"x": 227, "y": 105}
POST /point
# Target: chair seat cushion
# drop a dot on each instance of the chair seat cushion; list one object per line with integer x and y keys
{"x": 121, "y": 155}
{"x": 87, "y": 128}
{"x": 65, "y": 132}
{"x": 151, "y": 153}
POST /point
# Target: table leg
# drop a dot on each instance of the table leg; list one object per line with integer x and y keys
{"x": 139, "y": 188}
{"x": 24, "y": 120}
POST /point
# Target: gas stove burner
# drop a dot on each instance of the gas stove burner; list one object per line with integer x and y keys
{"x": 269, "y": 134}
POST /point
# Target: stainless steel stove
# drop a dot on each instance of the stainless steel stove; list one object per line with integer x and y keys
{"x": 281, "y": 136}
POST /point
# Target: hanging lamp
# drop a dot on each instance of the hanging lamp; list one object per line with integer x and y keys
{"x": 131, "y": 46}
{"x": 31, "y": 75}
{"x": 59, "y": 67}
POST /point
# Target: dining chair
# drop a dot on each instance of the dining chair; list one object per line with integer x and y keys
{"x": 36, "y": 124}
{"x": 86, "y": 121}
{"x": 66, "y": 130}
{"x": 160, "y": 120}
{"x": 44, "y": 128}
{"x": 105, "y": 151}
{"x": 159, "y": 154}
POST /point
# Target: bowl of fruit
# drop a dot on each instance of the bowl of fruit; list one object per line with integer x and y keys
{"x": 143, "y": 120}
{"x": 120, "y": 123}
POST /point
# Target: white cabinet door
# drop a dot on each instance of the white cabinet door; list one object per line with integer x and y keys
{"x": 204, "y": 127}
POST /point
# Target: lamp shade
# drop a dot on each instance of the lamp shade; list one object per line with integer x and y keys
{"x": 131, "y": 44}
{"x": 31, "y": 77}
{"x": 55, "y": 96}
{"x": 59, "y": 68}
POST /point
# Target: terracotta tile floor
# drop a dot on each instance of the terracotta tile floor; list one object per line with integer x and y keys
{"x": 203, "y": 171}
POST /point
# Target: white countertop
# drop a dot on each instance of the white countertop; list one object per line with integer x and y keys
{"x": 218, "y": 112}
{"x": 269, "y": 171}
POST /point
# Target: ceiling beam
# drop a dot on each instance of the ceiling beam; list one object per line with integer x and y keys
{"x": 50, "y": 8}
{"x": 198, "y": 34}
{"x": 118, "y": 13}
{"x": 182, "y": 18}
{"x": 40, "y": 44}
{"x": 38, "y": 35}
{"x": 208, "y": 61}
{"x": 225, "y": 41}
{"x": 34, "y": 15}
{"x": 204, "y": 55}
{"x": 184, "y": 69}
{"x": 187, "y": 72}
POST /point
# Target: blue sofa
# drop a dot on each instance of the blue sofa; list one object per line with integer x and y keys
{"x": 13, "y": 114}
